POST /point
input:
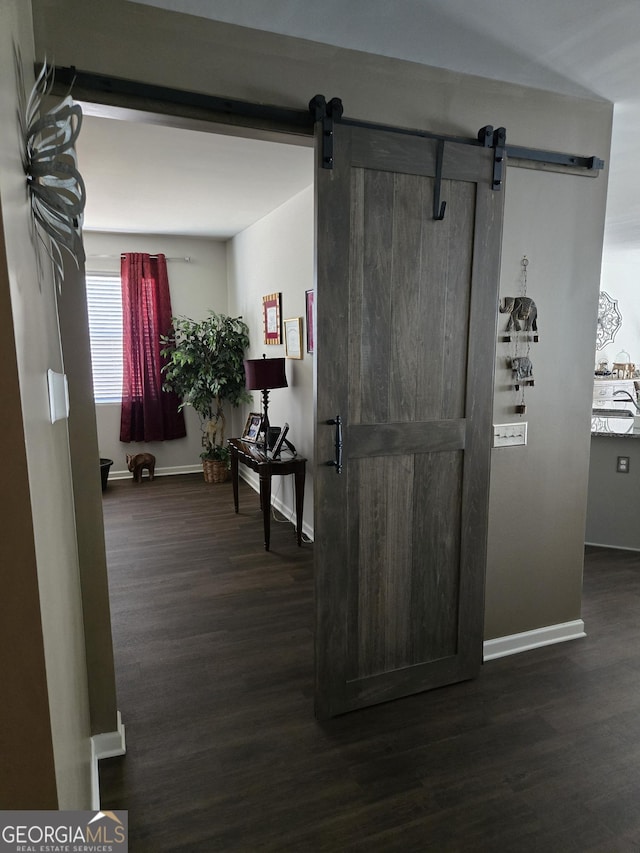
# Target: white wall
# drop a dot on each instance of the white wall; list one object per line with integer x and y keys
{"x": 621, "y": 253}
{"x": 276, "y": 256}
{"x": 196, "y": 288}
{"x": 620, "y": 279}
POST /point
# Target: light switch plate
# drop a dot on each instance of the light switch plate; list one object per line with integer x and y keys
{"x": 510, "y": 435}
{"x": 58, "y": 396}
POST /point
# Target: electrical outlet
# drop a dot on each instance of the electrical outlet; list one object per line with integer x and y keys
{"x": 622, "y": 465}
{"x": 510, "y": 435}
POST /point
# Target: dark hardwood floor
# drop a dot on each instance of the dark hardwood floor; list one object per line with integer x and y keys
{"x": 214, "y": 650}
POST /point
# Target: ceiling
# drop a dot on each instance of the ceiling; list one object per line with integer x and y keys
{"x": 152, "y": 179}
{"x": 571, "y": 46}
{"x": 578, "y": 47}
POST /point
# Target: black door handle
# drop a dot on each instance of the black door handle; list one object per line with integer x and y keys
{"x": 337, "y": 462}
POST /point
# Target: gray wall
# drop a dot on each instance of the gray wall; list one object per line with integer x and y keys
{"x": 537, "y": 514}
{"x": 38, "y": 497}
{"x": 614, "y": 499}
{"x": 27, "y": 770}
{"x": 538, "y": 492}
{"x": 87, "y": 501}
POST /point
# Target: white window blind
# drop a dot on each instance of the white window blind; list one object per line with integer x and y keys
{"x": 104, "y": 304}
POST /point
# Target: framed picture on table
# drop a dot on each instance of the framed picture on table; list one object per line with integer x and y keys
{"x": 277, "y": 447}
{"x": 252, "y": 427}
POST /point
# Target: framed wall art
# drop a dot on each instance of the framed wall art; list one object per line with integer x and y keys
{"x": 271, "y": 318}
{"x": 293, "y": 337}
{"x": 310, "y": 306}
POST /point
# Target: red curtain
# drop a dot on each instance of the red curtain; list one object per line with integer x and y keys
{"x": 148, "y": 412}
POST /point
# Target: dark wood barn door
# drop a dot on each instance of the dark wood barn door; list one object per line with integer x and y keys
{"x": 406, "y": 324}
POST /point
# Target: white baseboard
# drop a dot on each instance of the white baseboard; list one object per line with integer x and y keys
{"x": 252, "y": 479}
{"x": 514, "y": 643}
{"x": 289, "y": 514}
{"x": 105, "y": 745}
{"x": 161, "y": 472}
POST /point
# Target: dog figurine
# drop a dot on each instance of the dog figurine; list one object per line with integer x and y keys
{"x": 138, "y": 462}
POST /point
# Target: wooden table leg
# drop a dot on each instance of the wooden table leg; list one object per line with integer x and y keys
{"x": 234, "y": 476}
{"x": 299, "y": 486}
{"x": 265, "y": 503}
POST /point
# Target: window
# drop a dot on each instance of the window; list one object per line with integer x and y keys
{"x": 104, "y": 304}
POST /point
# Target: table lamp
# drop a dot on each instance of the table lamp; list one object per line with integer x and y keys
{"x": 264, "y": 374}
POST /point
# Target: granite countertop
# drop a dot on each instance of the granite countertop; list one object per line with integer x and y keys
{"x": 613, "y": 427}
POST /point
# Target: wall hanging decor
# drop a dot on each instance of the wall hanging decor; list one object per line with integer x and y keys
{"x": 56, "y": 188}
{"x": 271, "y": 318}
{"x": 310, "y": 310}
{"x": 522, "y": 369}
{"x": 609, "y": 320}
{"x": 293, "y": 337}
{"x": 521, "y": 331}
{"x": 523, "y": 314}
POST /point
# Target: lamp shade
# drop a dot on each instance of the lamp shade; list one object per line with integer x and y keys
{"x": 263, "y": 373}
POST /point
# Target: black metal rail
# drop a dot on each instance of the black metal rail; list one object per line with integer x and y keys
{"x": 89, "y": 86}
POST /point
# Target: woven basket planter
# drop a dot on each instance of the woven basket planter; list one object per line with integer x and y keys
{"x": 215, "y": 471}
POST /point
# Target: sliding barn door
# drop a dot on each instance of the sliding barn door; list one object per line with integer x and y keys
{"x": 406, "y": 325}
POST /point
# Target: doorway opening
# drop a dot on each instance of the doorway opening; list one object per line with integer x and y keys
{"x": 171, "y": 179}
{"x": 234, "y": 217}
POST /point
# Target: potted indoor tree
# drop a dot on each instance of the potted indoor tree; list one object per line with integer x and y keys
{"x": 204, "y": 366}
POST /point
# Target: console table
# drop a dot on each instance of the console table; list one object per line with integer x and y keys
{"x": 266, "y": 468}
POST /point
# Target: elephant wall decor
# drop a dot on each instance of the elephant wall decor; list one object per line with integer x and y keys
{"x": 522, "y": 367}
{"x": 521, "y": 309}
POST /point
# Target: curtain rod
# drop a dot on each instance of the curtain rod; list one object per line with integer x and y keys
{"x": 186, "y": 260}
